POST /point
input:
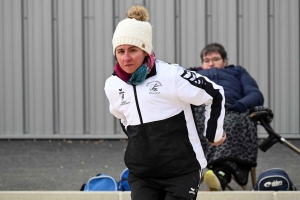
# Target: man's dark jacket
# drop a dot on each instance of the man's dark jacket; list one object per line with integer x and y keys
{"x": 241, "y": 90}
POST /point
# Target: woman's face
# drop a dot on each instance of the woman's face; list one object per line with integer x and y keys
{"x": 213, "y": 59}
{"x": 130, "y": 58}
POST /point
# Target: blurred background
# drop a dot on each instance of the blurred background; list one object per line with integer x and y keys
{"x": 55, "y": 56}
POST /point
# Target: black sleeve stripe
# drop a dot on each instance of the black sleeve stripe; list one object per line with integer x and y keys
{"x": 216, "y": 106}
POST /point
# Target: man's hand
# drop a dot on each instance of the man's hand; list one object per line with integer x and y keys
{"x": 219, "y": 142}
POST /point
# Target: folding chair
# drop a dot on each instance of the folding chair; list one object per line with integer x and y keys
{"x": 264, "y": 116}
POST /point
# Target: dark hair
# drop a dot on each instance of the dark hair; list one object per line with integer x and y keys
{"x": 214, "y": 47}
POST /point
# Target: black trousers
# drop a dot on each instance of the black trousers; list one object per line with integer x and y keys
{"x": 182, "y": 187}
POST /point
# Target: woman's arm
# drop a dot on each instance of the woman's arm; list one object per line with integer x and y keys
{"x": 196, "y": 90}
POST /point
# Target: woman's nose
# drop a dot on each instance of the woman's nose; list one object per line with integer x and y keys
{"x": 127, "y": 56}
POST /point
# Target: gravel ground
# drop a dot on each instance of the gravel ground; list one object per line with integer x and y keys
{"x": 64, "y": 165}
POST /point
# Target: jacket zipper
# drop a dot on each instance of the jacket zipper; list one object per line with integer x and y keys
{"x": 141, "y": 120}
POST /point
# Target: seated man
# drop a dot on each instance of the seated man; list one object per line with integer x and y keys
{"x": 238, "y": 153}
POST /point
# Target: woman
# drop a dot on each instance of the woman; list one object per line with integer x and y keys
{"x": 153, "y": 101}
{"x": 239, "y": 152}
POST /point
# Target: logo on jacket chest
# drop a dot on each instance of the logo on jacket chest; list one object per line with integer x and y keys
{"x": 122, "y": 96}
{"x": 154, "y": 87}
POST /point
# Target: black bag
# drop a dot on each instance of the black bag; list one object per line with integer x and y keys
{"x": 275, "y": 179}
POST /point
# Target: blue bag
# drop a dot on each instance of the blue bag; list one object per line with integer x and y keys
{"x": 275, "y": 179}
{"x": 123, "y": 183}
{"x": 101, "y": 182}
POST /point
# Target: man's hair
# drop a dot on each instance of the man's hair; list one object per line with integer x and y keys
{"x": 214, "y": 47}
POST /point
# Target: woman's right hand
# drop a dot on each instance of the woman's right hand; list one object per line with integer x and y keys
{"x": 219, "y": 142}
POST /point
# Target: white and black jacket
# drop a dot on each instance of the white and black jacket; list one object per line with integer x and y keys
{"x": 158, "y": 119}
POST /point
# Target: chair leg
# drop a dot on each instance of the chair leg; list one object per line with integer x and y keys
{"x": 253, "y": 176}
{"x": 228, "y": 186}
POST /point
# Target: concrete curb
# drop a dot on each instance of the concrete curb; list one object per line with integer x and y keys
{"x": 70, "y": 195}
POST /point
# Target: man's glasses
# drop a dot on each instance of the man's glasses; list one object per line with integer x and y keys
{"x": 213, "y": 60}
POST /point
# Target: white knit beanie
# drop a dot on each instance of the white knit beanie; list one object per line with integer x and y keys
{"x": 133, "y": 32}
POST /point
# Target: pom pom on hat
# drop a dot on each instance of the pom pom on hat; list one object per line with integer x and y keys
{"x": 133, "y": 32}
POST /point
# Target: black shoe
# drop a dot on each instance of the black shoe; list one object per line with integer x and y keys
{"x": 240, "y": 173}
